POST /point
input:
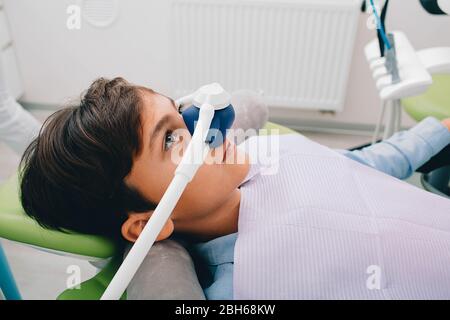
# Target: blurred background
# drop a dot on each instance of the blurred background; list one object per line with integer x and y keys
{"x": 300, "y": 46}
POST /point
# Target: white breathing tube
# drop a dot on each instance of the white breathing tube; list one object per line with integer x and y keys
{"x": 210, "y": 98}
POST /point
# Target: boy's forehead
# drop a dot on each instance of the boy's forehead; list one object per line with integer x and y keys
{"x": 153, "y": 100}
{"x": 155, "y": 106}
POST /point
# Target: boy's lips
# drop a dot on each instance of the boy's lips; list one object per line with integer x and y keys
{"x": 226, "y": 147}
{"x": 227, "y": 150}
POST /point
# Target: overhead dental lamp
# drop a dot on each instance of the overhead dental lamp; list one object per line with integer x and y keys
{"x": 436, "y": 6}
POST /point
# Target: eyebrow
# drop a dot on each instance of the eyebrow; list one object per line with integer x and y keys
{"x": 160, "y": 125}
{"x": 173, "y": 104}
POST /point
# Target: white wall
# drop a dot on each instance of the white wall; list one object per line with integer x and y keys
{"x": 57, "y": 63}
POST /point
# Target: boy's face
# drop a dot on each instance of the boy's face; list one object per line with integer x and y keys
{"x": 154, "y": 168}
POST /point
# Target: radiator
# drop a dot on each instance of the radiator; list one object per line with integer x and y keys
{"x": 297, "y": 52}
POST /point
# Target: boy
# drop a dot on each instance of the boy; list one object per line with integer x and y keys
{"x": 102, "y": 166}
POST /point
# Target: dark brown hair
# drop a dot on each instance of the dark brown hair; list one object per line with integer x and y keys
{"x": 72, "y": 176}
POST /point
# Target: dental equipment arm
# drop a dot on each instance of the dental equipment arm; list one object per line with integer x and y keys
{"x": 206, "y": 101}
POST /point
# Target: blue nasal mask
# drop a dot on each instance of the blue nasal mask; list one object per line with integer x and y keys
{"x": 219, "y": 99}
{"x": 222, "y": 121}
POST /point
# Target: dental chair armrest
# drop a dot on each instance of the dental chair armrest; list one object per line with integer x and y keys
{"x": 435, "y": 60}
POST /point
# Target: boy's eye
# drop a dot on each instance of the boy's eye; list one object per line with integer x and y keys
{"x": 169, "y": 139}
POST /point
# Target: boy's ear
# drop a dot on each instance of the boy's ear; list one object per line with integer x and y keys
{"x": 133, "y": 226}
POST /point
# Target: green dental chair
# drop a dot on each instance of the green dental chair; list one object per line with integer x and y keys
{"x": 434, "y": 102}
{"x": 16, "y": 226}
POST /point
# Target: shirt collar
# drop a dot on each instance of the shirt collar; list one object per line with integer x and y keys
{"x": 217, "y": 251}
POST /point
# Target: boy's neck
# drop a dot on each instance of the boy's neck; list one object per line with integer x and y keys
{"x": 221, "y": 222}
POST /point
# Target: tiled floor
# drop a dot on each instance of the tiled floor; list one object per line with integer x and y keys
{"x": 42, "y": 275}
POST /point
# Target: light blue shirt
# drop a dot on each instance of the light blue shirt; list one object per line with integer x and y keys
{"x": 398, "y": 156}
